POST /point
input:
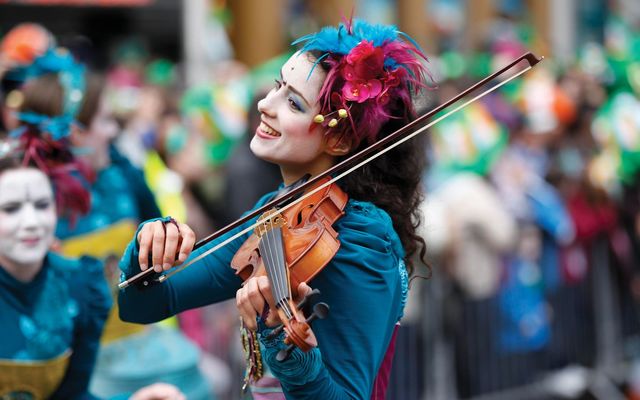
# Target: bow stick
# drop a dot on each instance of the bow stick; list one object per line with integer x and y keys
{"x": 343, "y": 168}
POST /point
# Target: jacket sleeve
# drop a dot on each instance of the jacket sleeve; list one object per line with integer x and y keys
{"x": 208, "y": 280}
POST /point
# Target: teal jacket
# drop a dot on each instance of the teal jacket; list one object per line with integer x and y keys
{"x": 62, "y": 309}
{"x": 365, "y": 285}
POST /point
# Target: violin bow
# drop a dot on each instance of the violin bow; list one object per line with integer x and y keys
{"x": 342, "y": 169}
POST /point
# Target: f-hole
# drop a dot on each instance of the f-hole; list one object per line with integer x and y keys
{"x": 300, "y": 216}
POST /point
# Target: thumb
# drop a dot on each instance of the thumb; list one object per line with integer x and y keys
{"x": 303, "y": 289}
{"x": 273, "y": 319}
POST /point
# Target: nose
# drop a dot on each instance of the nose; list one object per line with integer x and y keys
{"x": 265, "y": 106}
{"x": 30, "y": 218}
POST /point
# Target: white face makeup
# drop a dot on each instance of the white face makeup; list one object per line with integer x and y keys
{"x": 287, "y": 135}
{"x": 27, "y": 220}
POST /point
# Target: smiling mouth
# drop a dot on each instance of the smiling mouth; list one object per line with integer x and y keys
{"x": 268, "y": 130}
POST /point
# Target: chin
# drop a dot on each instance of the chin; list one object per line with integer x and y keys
{"x": 36, "y": 259}
{"x": 259, "y": 151}
{"x": 30, "y": 256}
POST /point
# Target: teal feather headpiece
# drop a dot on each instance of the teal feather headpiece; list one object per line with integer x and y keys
{"x": 71, "y": 76}
{"x": 372, "y": 71}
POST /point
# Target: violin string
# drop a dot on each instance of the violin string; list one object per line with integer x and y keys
{"x": 281, "y": 270}
{"x": 268, "y": 239}
{"x": 269, "y": 260}
{"x": 311, "y": 192}
{"x": 284, "y": 274}
{"x": 273, "y": 268}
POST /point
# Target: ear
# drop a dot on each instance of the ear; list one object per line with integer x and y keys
{"x": 338, "y": 145}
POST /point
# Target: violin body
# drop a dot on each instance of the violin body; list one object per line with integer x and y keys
{"x": 310, "y": 241}
{"x": 303, "y": 239}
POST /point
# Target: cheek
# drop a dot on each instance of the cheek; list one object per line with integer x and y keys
{"x": 49, "y": 219}
{"x": 8, "y": 225}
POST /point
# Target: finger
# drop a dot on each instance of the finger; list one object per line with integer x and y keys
{"x": 246, "y": 311}
{"x": 157, "y": 246}
{"x": 273, "y": 318}
{"x": 303, "y": 289}
{"x": 255, "y": 297}
{"x": 188, "y": 241}
{"x": 170, "y": 245}
{"x": 265, "y": 290}
{"x": 144, "y": 243}
{"x": 158, "y": 391}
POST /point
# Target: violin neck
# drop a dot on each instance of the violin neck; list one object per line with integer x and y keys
{"x": 272, "y": 253}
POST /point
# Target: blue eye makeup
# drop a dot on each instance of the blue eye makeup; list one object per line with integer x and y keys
{"x": 295, "y": 104}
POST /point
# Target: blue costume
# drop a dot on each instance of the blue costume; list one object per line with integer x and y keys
{"x": 120, "y": 199}
{"x": 352, "y": 341}
{"x": 55, "y": 322}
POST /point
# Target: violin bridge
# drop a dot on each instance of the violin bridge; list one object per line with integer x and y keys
{"x": 269, "y": 220}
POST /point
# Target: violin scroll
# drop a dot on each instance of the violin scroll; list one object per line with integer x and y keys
{"x": 320, "y": 311}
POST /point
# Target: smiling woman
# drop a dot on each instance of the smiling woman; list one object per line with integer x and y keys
{"x": 349, "y": 86}
{"x": 287, "y": 135}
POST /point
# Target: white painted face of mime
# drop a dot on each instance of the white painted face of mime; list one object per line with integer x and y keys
{"x": 27, "y": 219}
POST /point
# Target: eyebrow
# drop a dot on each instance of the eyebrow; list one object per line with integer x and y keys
{"x": 294, "y": 90}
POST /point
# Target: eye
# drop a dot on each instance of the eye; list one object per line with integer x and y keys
{"x": 294, "y": 105}
{"x": 10, "y": 208}
{"x": 43, "y": 204}
{"x": 278, "y": 84}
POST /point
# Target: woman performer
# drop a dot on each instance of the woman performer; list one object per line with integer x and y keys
{"x": 346, "y": 88}
{"x": 60, "y": 100}
{"x": 52, "y": 309}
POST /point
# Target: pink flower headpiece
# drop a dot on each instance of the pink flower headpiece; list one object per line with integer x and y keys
{"x": 372, "y": 72}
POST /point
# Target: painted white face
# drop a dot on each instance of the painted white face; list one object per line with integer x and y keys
{"x": 27, "y": 217}
{"x": 287, "y": 135}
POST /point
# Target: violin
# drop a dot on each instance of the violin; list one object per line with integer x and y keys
{"x": 291, "y": 247}
{"x": 318, "y": 204}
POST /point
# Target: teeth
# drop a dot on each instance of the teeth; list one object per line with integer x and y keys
{"x": 266, "y": 129}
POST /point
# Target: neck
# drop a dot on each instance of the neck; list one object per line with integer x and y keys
{"x": 22, "y": 272}
{"x": 291, "y": 174}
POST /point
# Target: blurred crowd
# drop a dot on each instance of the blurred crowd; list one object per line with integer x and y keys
{"x": 529, "y": 191}
{"x": 532, "y": 196}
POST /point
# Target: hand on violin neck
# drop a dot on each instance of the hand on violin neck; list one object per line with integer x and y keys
{"x": 254, "y": 299}
{"x": 303, "y": 290}
{"x": 164, "y": 244}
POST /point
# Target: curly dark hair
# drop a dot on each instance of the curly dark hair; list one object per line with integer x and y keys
{"x": 393, "y": 180}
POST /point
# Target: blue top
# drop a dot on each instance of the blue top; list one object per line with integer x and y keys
{"x": 118, "y": 193}
{"x": 365, "y": 285}
{"x": 62, "y": 310}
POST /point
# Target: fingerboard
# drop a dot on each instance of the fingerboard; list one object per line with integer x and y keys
{"x": 272, "y": 253}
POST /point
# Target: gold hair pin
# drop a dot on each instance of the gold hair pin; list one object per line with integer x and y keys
{"x": 319, "y": 118}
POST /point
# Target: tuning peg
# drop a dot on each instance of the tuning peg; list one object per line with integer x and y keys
{"x": 306, "y": 299}
{"x": 320, "y": 311}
